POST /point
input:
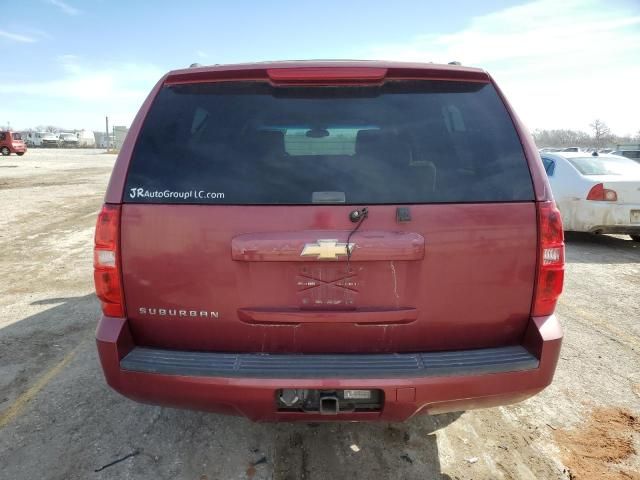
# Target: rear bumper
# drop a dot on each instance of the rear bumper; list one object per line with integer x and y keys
{"x": 246, "y": 384}
{"x": 601, "y": 217}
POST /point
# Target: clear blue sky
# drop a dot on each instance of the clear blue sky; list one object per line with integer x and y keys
{"x": 70, "y": 62}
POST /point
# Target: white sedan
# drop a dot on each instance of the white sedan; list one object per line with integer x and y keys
{"x": 596, "y": 193}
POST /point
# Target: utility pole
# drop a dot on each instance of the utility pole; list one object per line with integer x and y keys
{"x": 106, "y": 120}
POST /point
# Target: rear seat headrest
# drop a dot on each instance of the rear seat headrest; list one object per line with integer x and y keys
{"x": 369, "y": 142}
{"x": 386, "y": 145}
{"x": 437, "y": 139}
{"x": 270, "y": 142}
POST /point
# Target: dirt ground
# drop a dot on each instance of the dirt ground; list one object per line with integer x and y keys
{"x": 59, "y": 420}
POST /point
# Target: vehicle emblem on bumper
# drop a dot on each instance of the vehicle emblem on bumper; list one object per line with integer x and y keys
{"x": 326, "y": 249}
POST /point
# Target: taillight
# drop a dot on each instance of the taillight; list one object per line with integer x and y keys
{"x": 550, "y": 277}
{"x": 599, "y": 193}
{"x": 106, "y": 261}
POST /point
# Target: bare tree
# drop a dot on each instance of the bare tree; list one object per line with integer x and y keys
{"x": 48, "y": 128}
{"x": 562, "y": 138}
{"x": 577, "y": 138}
{"x": 601, "y": 132}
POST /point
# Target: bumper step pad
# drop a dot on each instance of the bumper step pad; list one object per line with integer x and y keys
{"x": 257, "y": 365}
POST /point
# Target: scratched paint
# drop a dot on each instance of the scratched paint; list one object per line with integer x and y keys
{"x": 395, "y": 282}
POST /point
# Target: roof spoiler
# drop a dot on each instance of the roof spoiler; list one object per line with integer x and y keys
{"x": 326, "y": 73}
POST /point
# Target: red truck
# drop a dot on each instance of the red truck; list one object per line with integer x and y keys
{"x": 11, "y": 142}
{"x": 328, "y": 240}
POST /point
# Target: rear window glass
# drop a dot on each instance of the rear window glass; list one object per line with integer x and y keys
{"x": 605, "y": 166}
{"x": 403, "y": 142}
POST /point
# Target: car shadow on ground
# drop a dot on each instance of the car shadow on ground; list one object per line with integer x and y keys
{"x": 31, "y": 346}
{"x": 591, "y": 248}
{"x": 74, "y": 424}
{"x": 360, "y": 450}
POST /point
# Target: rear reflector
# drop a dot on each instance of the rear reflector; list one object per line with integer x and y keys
{"x": 106, "y": 261}
{"x": 550, "y": 277}
{"x": 601, "y": 194}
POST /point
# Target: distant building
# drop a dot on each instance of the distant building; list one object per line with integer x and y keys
{"x": 102, "y": 141}
{"x": 86, "y": 139}
{"x": 119, "y": 134}
{"x": 628, "y": 146}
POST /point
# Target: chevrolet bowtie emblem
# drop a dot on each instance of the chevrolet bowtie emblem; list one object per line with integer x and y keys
{"x": 326, "y": 249}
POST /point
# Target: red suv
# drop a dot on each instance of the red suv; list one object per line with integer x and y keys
{"x": 11, "y": 142}
{"x": 328, "y": 240}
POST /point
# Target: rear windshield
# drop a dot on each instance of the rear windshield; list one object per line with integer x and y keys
{"x": 605, "y": 166}
{"x": 403, "y": 142}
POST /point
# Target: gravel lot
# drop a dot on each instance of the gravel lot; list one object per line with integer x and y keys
{"x": 59, "y": 420}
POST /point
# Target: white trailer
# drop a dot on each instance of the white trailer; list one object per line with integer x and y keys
{"x": 33, "y": 139}
{"x": 86, "y": 139}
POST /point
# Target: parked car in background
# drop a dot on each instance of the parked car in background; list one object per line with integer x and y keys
{"x": 549, "y": 149}
{"x": 596, "y": 193}
{"x": 11, "y": 142}
{"x": 632, "y": 154}
{"x": 571, "y": 149}
{"x": 335, "y": 240}
{"x": 50, "y": 140}
{"x": 69, "y": 140}
{"x": 33, "y": 139}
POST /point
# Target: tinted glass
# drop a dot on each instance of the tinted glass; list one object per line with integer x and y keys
{"x": 549, "y": 166}
{"x": 403, "y": 142}
{"x": 605, "y": 166}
